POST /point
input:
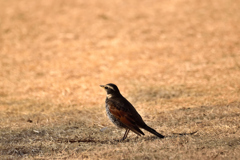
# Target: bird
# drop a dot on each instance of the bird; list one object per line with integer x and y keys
{"x": 122, "y": 113}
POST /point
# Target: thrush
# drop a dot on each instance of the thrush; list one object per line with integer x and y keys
{"x": 122, "y": 113}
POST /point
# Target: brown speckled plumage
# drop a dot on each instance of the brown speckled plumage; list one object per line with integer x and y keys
{"x": 121, "y": 112}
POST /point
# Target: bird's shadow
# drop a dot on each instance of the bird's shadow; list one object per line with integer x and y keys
{"x": 116, "y": 141}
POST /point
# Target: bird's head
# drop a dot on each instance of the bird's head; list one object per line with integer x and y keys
{"x": 111, "y": 89}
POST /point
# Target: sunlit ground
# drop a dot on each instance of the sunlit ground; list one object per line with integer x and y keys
{"x": 177, "y": 62}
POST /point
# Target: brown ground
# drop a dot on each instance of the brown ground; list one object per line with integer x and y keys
{"x": 177, "y": 61}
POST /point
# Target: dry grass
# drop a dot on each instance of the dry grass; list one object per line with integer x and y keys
{"x": 177, "y": 61}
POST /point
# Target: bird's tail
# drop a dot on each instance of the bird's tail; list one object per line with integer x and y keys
{"x": 149, "y": 129}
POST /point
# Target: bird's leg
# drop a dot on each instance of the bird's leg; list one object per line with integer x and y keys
{"x": 125, "y": 135}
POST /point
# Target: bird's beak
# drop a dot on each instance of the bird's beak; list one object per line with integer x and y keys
{"x": 102, "y": 85}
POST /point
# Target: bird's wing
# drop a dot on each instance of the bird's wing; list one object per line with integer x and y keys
{"x": 125, "y": 117}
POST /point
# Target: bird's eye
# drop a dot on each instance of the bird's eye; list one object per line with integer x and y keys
{"x": 106, "y": 87}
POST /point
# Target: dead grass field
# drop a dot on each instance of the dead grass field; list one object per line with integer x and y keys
{"x": 177, "y": 61}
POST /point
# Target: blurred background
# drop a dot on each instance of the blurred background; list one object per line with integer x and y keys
{"x": 62, "y": 51}
{"x": 161, "y": 52}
